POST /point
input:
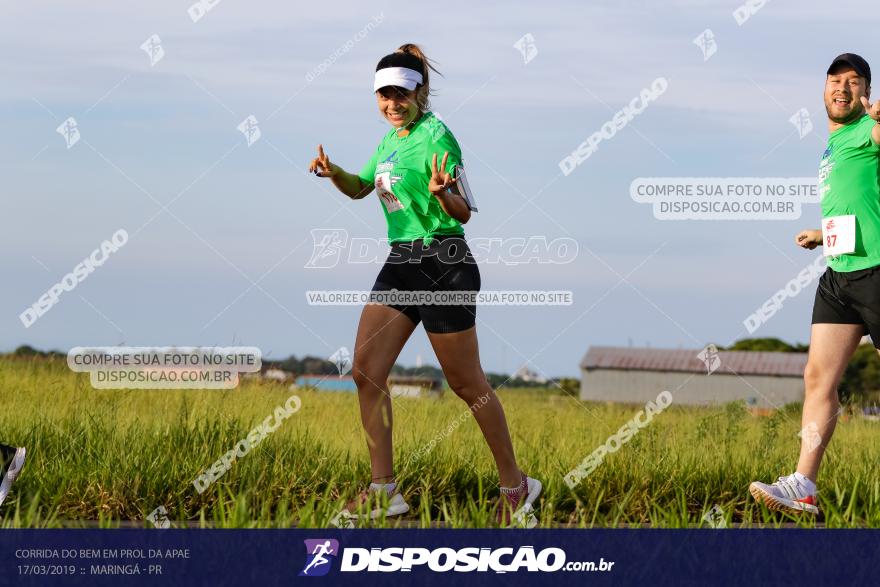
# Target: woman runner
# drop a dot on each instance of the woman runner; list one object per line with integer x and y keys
{"x": 428, "y": 253}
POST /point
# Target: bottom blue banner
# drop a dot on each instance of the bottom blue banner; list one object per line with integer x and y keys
{"x": 429, "y": 557}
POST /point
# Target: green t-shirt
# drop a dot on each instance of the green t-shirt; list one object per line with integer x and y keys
{"x": 849, "y": 183}
{"x": 401, "y": 169}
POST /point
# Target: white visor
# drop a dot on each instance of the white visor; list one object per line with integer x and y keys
{"x": 397, "y": 76}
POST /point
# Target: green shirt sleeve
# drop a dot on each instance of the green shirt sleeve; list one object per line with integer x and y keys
{"x": 442, "y": 142}
{"x": 865, "y": 138}
{"x": 368, "y": 171}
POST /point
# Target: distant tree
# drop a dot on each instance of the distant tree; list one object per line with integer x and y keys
{"x": 291, "y": 364}
{"x": 26, "y": 350}
{"x": 423, "y": 371}
{"x": 765, "y": 344}
{"x": 319, "y": 366}
{"x": 570, "y": 385}
{"x": 496, "y": 379}
{"x": 861, "y": 380}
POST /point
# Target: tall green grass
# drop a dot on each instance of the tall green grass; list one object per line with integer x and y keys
{"x": 105, "y": 456}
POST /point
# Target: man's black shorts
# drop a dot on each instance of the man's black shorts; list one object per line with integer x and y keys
{"x": 445, "y": 265}
{"x": 850, "y": 298}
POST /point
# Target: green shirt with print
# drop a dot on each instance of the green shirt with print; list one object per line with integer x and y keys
{"x": 849, "y": 183}
{"x": 400, "y": 169}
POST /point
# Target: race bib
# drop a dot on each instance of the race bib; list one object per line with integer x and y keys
{"x": 384, "y": 183}
{"x": 838, "y": 235}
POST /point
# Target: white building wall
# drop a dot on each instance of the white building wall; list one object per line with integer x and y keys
{"x": 638, "y": 387}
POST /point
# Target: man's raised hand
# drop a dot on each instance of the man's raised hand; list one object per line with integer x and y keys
{"x": 872, "y": 110}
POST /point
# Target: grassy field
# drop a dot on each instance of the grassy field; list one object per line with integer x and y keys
{"x": 109, "y": 456}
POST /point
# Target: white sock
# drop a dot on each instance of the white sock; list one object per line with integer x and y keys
{"x": 522, "y": 486}
{"x": 808, "y": 485}
{"x": 388, "y": 487}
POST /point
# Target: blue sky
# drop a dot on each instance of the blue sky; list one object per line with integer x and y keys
{"x": 243, "y": 214}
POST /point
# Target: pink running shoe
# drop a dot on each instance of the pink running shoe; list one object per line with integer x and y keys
{"x": 514, "y": 505}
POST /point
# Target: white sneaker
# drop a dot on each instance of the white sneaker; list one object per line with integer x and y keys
{"x": 787, "y": 494}
{"x": 394, "y": 506}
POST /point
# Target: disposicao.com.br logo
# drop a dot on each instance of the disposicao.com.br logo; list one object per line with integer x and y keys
{"x": 443, "y": 559}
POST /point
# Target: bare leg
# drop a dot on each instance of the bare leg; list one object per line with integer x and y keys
{"x": 459, "y": 357}
{"x": 382, "y": 332}
{"x": 831, "y": 346}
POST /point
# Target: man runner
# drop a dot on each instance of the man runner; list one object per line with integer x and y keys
{"x": 847, "y": 304}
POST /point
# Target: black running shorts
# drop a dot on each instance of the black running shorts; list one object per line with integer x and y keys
{"x": 850, "y": 298}
{"x": 446, "y": 265}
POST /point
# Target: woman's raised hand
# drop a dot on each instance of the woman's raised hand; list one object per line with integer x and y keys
{"x": 321, "y": 165}
{"x": 440, "y": 179}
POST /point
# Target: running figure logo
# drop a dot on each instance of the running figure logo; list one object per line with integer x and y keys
{"x": 328, "y": 245}
{"x": 317, "y": 552}
{"x": 153, "y": 48}
{"x": 526, "y": 46}
{"x": 249, "y": 127}
{"x": 69, "y": 130}
{"x": 342, "y": 358}
{"x": 802, "y": 122}
{"x": 706, "y": 42}
{"x": 710, "y": 358}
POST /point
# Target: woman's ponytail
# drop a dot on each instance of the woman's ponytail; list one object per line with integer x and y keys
{"x": 423, "y": 90}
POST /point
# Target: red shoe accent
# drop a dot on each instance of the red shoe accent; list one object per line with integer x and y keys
{"x": 811, "y": 500}
{"x": 508, "y": 503}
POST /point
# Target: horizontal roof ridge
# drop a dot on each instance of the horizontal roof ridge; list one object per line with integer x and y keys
{"x": 686, "y": 360}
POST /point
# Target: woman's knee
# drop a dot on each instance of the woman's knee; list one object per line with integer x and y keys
{"x": 367, "y": 380}
{"x": 469, "y": 388}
